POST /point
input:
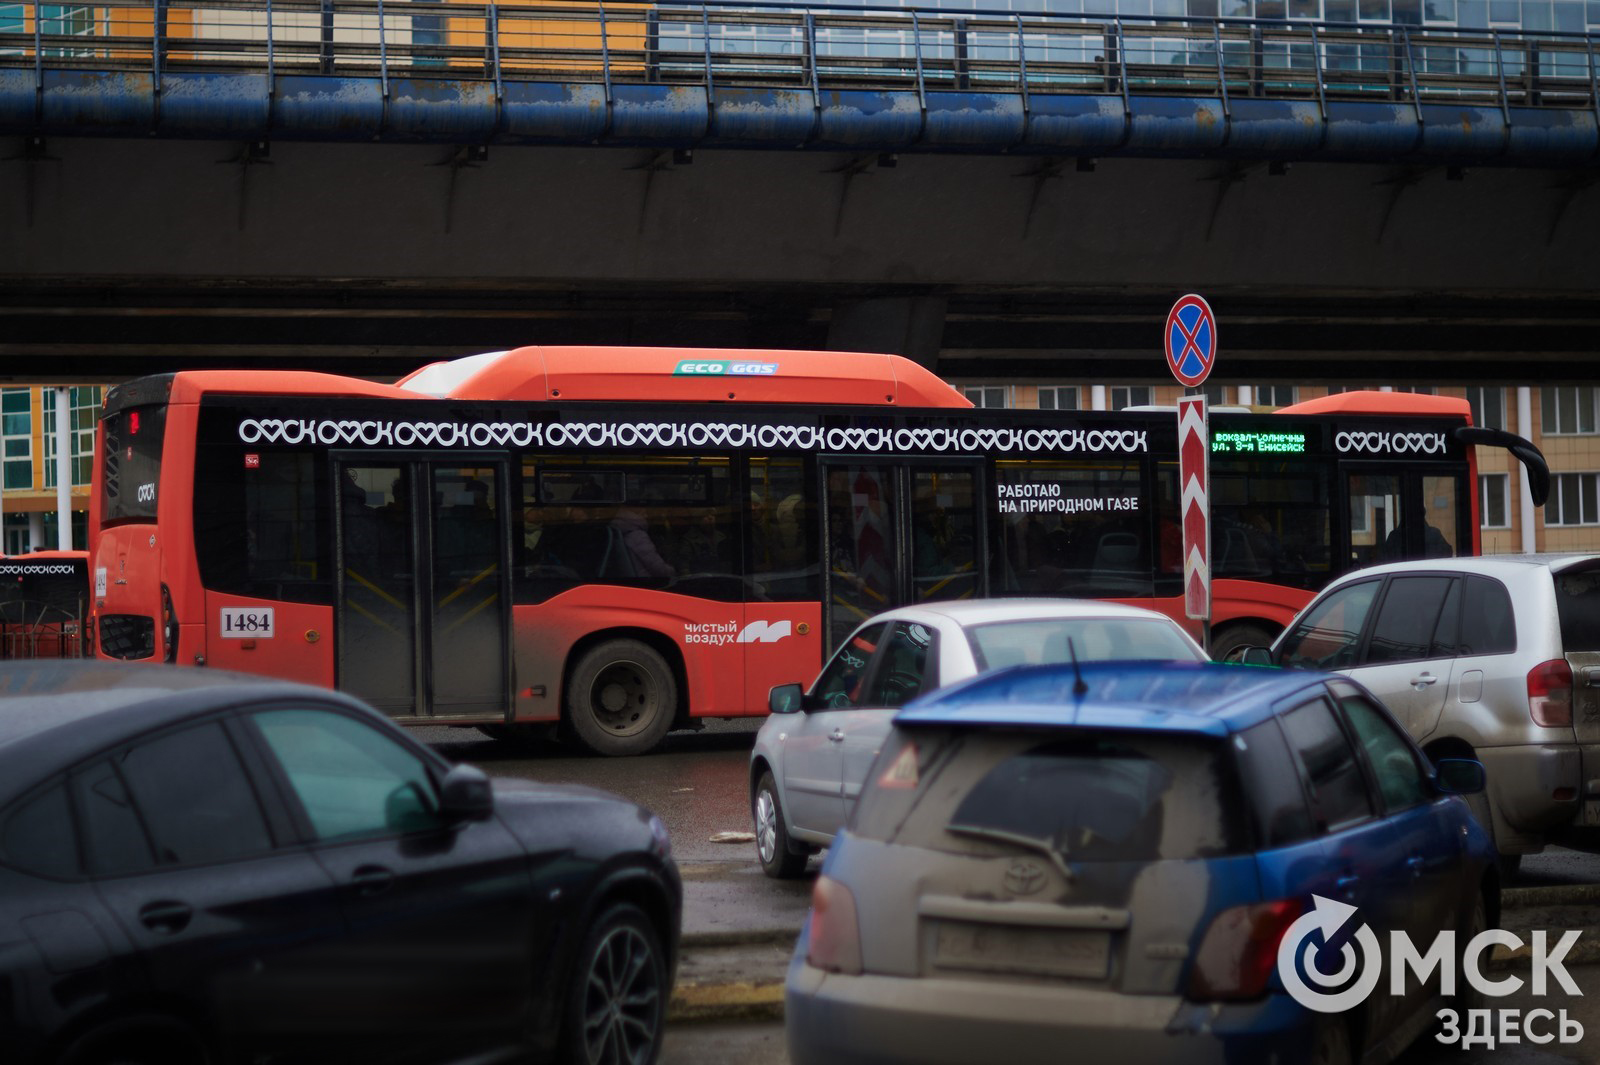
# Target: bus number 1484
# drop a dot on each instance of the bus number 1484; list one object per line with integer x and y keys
{"x": 241, "y": 623}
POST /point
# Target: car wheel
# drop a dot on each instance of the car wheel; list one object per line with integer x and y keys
{"x": 616, "y": 1006}
{"x": 778, "y": 858}
{"x": 1235, "y": 636}
{"x": 1330, "y": 1042}
{"x": 622, "y": 698}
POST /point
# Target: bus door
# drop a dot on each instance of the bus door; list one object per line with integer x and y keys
{"x": 898, "y": 533}
{"x": 1397, "y": 514}
{"x": 423, "y": 618}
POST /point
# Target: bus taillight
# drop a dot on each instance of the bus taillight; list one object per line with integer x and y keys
{"x": 169, "y": 625}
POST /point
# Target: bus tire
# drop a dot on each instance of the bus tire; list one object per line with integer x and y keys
{"x": 621, "y": 698}
{"x": 1244, "y": 634}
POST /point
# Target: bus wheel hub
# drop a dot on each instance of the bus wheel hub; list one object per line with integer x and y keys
{"x": 613, "y": 698}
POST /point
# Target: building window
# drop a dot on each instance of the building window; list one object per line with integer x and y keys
{"x": 1569, "y": 410}
{"x": 85, "y": 408}
{"x": 1129, "y": 396}
{"x": 1058, "y": 397}
{"x": 1488, "y": 407}
{"x": 1574, "y": 500}
{"x": 1274, "y": 395}
{"x": 74, "y": 20}
{"x": 16, "y": 437}
{"x": 988, "y": 395}
{"x": 1216, "y": 395}
{"x": 1416, "y": 390}
{"x": 1492, "y": 491}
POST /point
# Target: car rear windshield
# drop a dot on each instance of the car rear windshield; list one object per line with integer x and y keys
{"x": 1578, "y": 606}
{"x": 1055, "y": 641}
{"x": 1077, "y": 796}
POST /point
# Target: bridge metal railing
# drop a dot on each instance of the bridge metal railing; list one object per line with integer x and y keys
{"x": 812, "y": 49}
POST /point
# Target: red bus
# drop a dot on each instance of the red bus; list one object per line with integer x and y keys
{"x": 44, "y": 598}
{"x": 619, "y": 541}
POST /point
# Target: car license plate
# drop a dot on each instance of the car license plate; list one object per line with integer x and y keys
{"x": 1014, "y": 949}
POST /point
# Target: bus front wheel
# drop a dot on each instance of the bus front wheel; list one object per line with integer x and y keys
{"x": 1237, "y": 635}
{"x": 622, "y": 698}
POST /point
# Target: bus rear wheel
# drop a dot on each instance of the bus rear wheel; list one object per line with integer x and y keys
{"x": 622, "y": 698}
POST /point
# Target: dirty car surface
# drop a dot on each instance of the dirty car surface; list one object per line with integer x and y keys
{"x": 1109, "y": 863}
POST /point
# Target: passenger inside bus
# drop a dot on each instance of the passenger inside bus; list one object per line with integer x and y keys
{"x": 570, "y": 543}
{"x": 630, "y": 550}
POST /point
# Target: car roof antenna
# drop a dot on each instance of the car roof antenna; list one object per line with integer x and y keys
{"x": 1079, "y": 688}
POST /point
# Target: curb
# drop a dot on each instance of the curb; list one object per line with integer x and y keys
{"x": 1584, "y": 952}
{"x": 741, "y": 937}
{"x": 722, "y": 999}
{"x": 726, "y": 1002}
{"x": 1553, "y": 895}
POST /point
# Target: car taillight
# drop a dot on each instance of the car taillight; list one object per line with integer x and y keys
{"x": 1240, "y": 950}
{"x": 1550, "y": 693}
{"x": 169, "y": 625}
{"x": 835, "y": 936}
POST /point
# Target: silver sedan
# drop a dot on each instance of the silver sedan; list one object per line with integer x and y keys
{"x": 813, "y": 754}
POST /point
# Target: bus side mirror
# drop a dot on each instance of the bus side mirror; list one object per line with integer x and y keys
{"x": 1532, "y": 459}
{"x": 1459, "y": 776}
{"x": 786, "y": 699}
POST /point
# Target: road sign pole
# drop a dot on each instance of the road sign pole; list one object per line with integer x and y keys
{"x": 1194, "y": 447}
{"x": 1190, "y": 343}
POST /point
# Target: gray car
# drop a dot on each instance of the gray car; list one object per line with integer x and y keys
{"x": 812, "y": 755}
{"x": 1494, "y": 658}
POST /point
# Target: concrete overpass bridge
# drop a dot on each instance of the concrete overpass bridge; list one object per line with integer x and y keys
{"x": 366, "y": 186}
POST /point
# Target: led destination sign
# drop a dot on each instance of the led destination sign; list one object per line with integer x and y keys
{"x": 1261, "y": 443}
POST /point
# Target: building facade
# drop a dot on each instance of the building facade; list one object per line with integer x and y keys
{"x": 1562, "y": 421}
{"x": 28, "y": 496}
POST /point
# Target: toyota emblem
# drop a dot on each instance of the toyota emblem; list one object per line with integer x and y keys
{"x": 1024, "y": 877}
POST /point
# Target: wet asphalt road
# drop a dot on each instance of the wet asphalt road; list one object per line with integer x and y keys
{"x": 697, "y": 782}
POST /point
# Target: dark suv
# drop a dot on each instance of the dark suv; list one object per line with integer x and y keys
{"x": 199, "y": 867}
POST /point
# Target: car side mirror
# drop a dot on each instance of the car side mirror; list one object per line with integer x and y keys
{"x": 466, "y": 794}
{"x": 1459, "y": 776}
{"x": 1250, "y": 655}
{"x": 786, "y": 699}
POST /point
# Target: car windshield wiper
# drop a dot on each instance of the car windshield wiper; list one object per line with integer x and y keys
{"x": 1033, "y": 843}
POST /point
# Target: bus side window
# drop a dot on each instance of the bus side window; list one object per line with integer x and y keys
{"x": 1073, "y": 527}
{"x": 781, "y": 553}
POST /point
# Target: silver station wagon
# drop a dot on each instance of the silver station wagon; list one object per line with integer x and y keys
{"x": 812, "y": 755}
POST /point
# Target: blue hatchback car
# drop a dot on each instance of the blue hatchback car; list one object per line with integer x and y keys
{"x": 1101, "y": 863}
